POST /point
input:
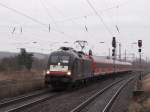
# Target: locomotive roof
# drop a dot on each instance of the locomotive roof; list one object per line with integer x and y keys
{"x": 71, "y": 51}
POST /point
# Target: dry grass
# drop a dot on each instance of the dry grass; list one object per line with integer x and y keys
{"x": 146, "y": 84}
{"x": 21, "y": 75}
{"x": 16, "y": 83}
{"x": 142, "y": 103}
{"x": 135, "y": 107}
{"x": 146, "y": 105}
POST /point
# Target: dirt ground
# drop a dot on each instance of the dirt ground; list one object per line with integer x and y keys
{"x": 142, "y": 103}
{"x": 19, "y": 82}
{"x": 146, "y": 83}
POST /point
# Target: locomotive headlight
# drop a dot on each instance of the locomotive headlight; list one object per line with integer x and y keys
{"x": 47, "y": 72}
{"x": 69, "y": 73}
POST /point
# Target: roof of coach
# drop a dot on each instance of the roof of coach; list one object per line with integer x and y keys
{"x": 109, "y": 61}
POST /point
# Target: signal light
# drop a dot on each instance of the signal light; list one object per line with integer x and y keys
{"x": 140, "y": 50}
{"x": 114, "y": 42}
{"x": 140, "y": 43}
{"x": 113, "y": 52}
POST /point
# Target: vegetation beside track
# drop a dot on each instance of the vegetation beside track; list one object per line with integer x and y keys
{"x": 20, "y": 82}
{"x": 21, "y": 73}
{"x": 142, "y": 102}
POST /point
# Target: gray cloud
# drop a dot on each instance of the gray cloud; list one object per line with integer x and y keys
{"x": 67, "y": 20}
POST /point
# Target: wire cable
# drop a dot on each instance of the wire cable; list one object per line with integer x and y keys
{"x": 31, "y": 18}
{"x": 61, "y": 13}
{"x": 101, "y": 19}
{"x": 20, "y": 13}
{"x": 48, "y": 13}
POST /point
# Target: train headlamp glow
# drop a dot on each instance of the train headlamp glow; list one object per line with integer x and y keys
{"x": 69, "y": 73}
{"x": 47, "y": 72}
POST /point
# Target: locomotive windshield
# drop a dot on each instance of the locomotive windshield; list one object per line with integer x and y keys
{"x": 61, "y": 59}
{"x": 54, "y": 59}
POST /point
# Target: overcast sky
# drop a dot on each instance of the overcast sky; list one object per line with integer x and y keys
{"x": 72, "y": 20}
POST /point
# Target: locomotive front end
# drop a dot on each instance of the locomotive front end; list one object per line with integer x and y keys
{"x": 58, "y": 69}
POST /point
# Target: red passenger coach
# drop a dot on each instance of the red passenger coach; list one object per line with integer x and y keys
{"x": 104, "y": 66}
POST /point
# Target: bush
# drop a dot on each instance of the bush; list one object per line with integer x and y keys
{"x": 25, "y": 59}
{"x": 22, "y": 61}
{"x": 8, "y": 64}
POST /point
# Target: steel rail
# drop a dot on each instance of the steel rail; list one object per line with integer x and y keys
{"x": 112, "y": 100}
{"x": 85, "y": 103}
{"x": 21, "y": 97}
{"x": 25, "y": 105}
{"x": 22, "y": 103}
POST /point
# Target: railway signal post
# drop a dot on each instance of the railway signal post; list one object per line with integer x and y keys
{"x": 138, "y": 87}
{"x": 140, "y": 50}
{"x": 114, "y": 52}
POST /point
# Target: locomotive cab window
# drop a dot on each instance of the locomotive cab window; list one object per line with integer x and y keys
{"x": 64, "y": 59}
{"x": 61, "y": 59}
{"x": 54, "y": 59}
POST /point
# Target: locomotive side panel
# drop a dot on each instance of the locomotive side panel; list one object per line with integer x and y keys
{"x": 82, "y": 69}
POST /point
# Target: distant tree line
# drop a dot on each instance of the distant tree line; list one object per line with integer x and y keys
{"x": 23, "y": 61}
{"x": 144, "y": 64}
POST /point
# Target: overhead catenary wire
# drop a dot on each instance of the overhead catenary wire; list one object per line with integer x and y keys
{"x": 21, "y": 13}
{"x": 75, "y": 18}
{"x": 60, "y": 12}
{"x": 67, "y": 19}
{"x": 39, "y": 22}
{"x": 87, "y": 15}
{"x": 48, "y": 13}
{"x": 99, "y": 16}
{"x": 110, "y": 14}
{"x": 31, "y": 18}
{"x": 46, "y": 9}
{"x": 49, "y": 28}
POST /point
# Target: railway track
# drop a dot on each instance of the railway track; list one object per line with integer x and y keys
{"x": 21, "y": 102}
{"x": 109, "y": 104}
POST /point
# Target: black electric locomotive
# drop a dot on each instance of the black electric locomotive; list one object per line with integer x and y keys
{"x": 66, "y": 66}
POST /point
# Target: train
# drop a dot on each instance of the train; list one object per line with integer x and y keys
{"x": 67, "y": 66}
